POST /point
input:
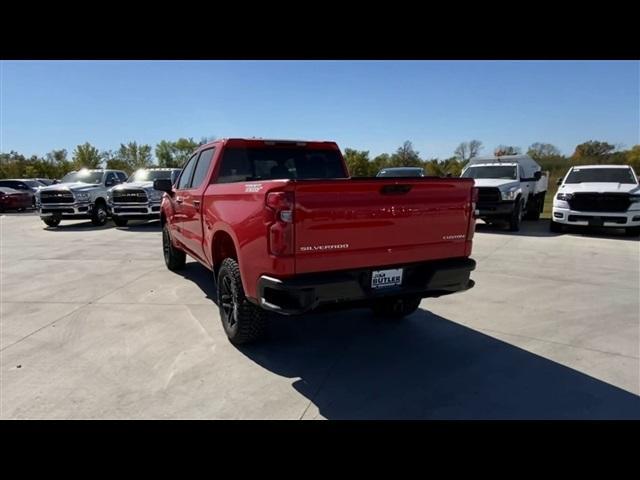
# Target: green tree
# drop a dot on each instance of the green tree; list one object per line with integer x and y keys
{"x": 467, "y": 150}
{"x": 357, "y": 162}
{"x": 378, "y": 163}
{"x": 433, "y": 168}
{"x": 115, "y": 162}
{"x": 12, "y": 164}
{"x": 164, "y": 154}
{"x": 86, "y": 156}
{"x": 539, "y": 151}
{"x": 501, "y": 150}
{"x": 593, "y": 150}
{"x": 633, "y": 158}
{"x": 132, "y": 155}
{"x": 175, "y": 154}
{"x": 58, "y": 165}
{"x": 406, "y": 156}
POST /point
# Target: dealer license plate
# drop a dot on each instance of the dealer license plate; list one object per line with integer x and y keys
{"x": 386, "y": 278}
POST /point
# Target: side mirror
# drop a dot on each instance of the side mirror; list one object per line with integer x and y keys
{"x": 163, "y": 184}
{"x": 109, "y": 183}
{"x": 559, "y": 181}
{"x": 537, "y": 175}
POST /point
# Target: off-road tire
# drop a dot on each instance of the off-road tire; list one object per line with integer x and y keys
{"x": 174, "y": 259}
{"x": 243, "y": 322}
{"x": 395, "y": 308}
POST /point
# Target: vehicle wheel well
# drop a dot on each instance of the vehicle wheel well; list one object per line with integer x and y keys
{"x": 223, "y": 247}
{"x": 99, "y": 201}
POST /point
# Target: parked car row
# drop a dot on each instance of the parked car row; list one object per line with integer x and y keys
{"x": 28, "y": 186}
{"x": 513, "y": 187}
{"x": 97, "y": 194}
{"x": 12, "y": 199}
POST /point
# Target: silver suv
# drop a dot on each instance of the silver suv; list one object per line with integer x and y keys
{"x": 137, "y": 199}
{"x": 80, "y": 195}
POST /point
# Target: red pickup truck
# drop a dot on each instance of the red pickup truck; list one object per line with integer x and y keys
{"x": 284, "y": 229}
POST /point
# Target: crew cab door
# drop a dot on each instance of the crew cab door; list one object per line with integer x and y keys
{"x": 188, "y": 200}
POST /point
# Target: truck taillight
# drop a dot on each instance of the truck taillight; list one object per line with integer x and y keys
{"x": 281, "y": 223}
{"x": 472, "y": 221}
{"x": 475, "y": 194}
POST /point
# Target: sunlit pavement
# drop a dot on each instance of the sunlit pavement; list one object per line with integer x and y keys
{"x": 94, "y": 326}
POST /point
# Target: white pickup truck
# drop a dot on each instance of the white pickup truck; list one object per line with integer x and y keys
{"x": 598, "y": 196}
{"x": 510, "y": 188}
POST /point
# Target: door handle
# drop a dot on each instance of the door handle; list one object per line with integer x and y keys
{"x": 395, "y": 189}
{"x": 179, "y": 200}
{"x": 196, "y": 203}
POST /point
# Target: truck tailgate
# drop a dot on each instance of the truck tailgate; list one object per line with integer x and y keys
{"x": 356, "y": 223}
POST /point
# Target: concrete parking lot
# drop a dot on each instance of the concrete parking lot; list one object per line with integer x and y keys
{"x": 94, "y": 326}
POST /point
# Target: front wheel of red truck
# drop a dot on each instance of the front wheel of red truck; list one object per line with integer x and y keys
{"x": 243, "y": 322}
{"x": 396, "y": 308}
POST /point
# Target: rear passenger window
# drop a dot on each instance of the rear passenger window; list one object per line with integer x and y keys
{"x": 202, "y": 168}
{"x": 185, "y": 178}
{"x": 249, "y": 164}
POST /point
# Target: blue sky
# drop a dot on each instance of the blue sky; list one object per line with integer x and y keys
{"x": 369, "y": 105}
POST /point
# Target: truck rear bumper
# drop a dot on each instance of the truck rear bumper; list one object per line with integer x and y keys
{"x": 349, "y": 288}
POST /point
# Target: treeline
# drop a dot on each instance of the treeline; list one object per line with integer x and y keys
{"x": 132, "y": 156}
{"x": 591, "y": 152}
{"x": 129, "y": 157}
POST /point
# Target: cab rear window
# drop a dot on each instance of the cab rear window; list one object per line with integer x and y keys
{"x": 249, "y": 164}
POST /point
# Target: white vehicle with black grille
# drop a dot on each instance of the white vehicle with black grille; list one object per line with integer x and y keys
{"x": 136, "y": 199}
{"x": 598, "y": 196}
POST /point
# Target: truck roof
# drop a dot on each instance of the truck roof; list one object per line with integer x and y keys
{"x": 258, "y": 141}
{"x": 602, "y": 166}
{"x": 491, "y": 164}
{"x": 505, "y": 159}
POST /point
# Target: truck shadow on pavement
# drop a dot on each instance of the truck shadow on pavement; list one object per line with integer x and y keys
{"x": 540, "y": 228}
{"x": 77, "y": 227}
{"x": 427, "y": 367}
{"x": 353, "y": 366}
{"x": 142, "y": 226}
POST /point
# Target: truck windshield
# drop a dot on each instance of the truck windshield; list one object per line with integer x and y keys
{"x": 594, "y": 175}
{"x": 500, "y": 171}
{"x": 151, "y": 175}
{"x": 248, "y": 164}
{"x": 401, "y": 172}
{"x": 83, "y": 176}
